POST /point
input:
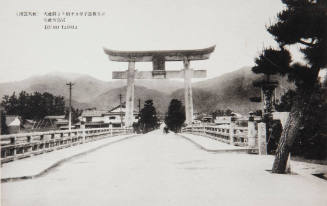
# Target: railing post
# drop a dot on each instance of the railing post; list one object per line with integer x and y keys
{"x": 29, "y": 148}
{"x": 262, "y": 142}
{"x": 56, "y": 142}
{"x": 83, "y": 131}
{"x": 13, "y": 142}
{"x": 61, "y": 138}
{"x": 251, "y": 133}
{"x": 70, "y": 140}
{"x": 231, "y": 131}
{"x": 42, "y": 143}
{"x": 110, "y": 127}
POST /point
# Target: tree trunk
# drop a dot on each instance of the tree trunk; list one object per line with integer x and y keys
{"x": 287, "y": 138}
{"x": 292, "y": 128}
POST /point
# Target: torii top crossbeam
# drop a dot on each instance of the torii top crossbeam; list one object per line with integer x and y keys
{"x": 166, "y": 55}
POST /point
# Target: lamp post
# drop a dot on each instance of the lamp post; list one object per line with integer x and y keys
{"x": 70, "y": 105}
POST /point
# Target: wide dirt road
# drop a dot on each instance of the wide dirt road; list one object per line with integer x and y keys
{"x": 156, "y": 169}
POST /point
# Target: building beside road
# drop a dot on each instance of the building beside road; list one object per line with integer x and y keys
{"x": 13, "y": 123}
{"x": 103, "y": 118}
{"x": 55, "y": 122}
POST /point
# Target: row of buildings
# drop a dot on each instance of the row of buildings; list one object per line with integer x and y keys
{"x": 92, "y": 118}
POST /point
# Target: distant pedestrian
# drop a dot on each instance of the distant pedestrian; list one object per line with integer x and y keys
{"x": 166, "y": 130}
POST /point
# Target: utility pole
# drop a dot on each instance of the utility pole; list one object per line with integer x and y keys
{"x": 121, "y": 115}
{"x": 70, "y": 105}
{"x": 139, "y": 106}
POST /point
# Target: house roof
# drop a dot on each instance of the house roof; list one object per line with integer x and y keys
{"x": 123, "y": 106}
{"x": 30, "y": 121}
{"x": 55, "y": 117}
{"x": 93, "y": 113}
{"x": 112, "y": 111}
{"x": 94, "y": 123}
{"x": 12, "y": 120}
{"x": 101, "y": 113}
{"x": 62, "y": 121}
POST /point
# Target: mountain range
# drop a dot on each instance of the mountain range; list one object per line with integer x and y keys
{"x": 231, "y": 90}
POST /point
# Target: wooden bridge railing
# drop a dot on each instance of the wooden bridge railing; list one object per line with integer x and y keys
{"x": 225, "y": 133}
{"x": 17, "y": 146}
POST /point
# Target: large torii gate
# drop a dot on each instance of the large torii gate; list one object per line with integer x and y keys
{"x": 158, "y": 59}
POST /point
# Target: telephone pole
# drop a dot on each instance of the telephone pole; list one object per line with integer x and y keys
{"x": 121, "y": 115}
{"x": 70, "y": 105}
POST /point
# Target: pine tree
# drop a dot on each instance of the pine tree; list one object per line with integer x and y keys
{"x": 175, "y": 117}
{"x": 302, "y": 22}
{"x": 148, "y": 117}
{"x": 312, "y": 139}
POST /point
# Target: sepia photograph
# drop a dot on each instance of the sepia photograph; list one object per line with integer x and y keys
{"x": 163, "y": 103}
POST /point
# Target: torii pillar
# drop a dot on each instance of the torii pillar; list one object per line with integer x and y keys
{"x": 158, "y": 59}
{"x": 130, "y": 94}
{"x": 188, "y": 96}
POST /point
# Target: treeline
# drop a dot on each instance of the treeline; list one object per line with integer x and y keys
{"x": 149, "y": 121}
{"x": 33, "y": 106}
{"x": 219, "y": 112}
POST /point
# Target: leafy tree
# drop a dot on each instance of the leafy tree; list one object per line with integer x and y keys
{"x": 10, "y": 103}
{"x": 4, "y": 128}
{"x": 217, "y": 113}
{"x": 258, "y": 113}
{"x": 286, "y": 101}
{"x": 228, "y": 112}
{"x": 302, "y": 22}
{"x": 175, "y": 116}
{"x": 312, "y": 139}
{"x": 148, "y": 117}
{"x": 33, "y": 106}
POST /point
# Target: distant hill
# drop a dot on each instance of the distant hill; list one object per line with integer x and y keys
{"x": 86, "y": 88}
{"x": 231, "y": 90}
{"x": 55, "y": 83}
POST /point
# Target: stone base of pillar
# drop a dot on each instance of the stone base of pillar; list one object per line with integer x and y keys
{"x": 251, "y": 135}
{"x": 262, "y": 141}
{"x": 231, "y": 133}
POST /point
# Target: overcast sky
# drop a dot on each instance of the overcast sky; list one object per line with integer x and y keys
{"x": 236, "y": 27}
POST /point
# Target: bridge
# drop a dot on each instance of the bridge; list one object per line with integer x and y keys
{"x": 202, "y": 165}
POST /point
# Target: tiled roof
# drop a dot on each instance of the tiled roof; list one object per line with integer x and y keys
{"x": 93, "y": 113}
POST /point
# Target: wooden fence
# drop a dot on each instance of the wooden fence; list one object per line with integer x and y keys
{"x": 18, "y": 146}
